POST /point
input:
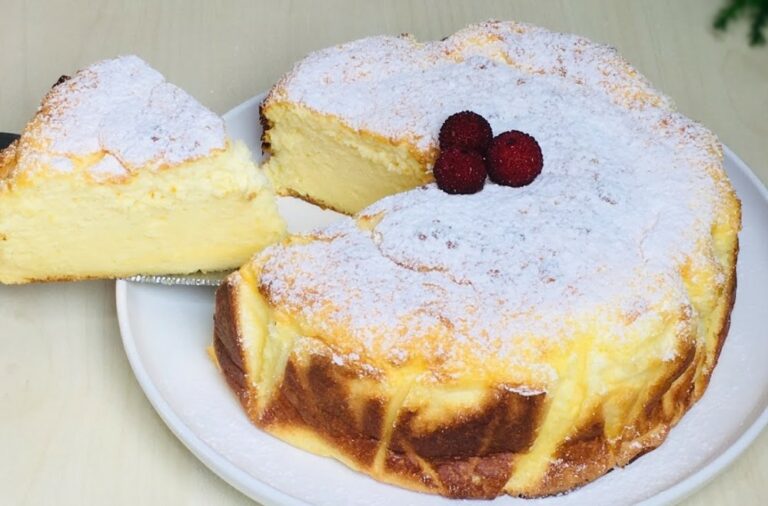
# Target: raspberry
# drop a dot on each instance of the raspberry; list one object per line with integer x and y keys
{"x": 466, "y": 130}
{"x": 514, "y": 159}
{"x": 459, "y": 171}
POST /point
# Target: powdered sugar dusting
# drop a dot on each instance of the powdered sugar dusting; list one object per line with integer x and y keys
{"x": 125, "y": 109}
{"x": 403, "y": 89}
{"x": 625, "y": 196}
{"x": 108, "y": 166}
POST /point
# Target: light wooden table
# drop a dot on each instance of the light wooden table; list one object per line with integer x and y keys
{"x": 75, "y": 428}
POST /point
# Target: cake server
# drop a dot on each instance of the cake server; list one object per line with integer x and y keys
{"x": 196, "y": 279}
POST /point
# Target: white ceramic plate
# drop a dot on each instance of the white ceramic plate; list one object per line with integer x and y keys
{"x": 166, "y": 331}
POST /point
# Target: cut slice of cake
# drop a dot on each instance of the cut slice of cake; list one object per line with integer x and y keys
{"x": 120, "y": 173}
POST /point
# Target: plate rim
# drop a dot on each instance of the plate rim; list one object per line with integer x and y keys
{"x": 222, "y": 467}
{"x": 700, "y": 478}
{"x": 258, "y": 490}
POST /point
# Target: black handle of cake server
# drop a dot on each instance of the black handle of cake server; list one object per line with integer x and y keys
{"x": 6, "y": 139}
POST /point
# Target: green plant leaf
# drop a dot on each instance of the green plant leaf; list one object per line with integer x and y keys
{"x": 755, "y": 10}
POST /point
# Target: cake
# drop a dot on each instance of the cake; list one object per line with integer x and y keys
{"x": 519, "y": 341}
{"x": 121, "y": 173}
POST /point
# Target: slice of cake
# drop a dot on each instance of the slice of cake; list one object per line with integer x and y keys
{"x": 518, "y": 341}
{"x": 120, "y": 173}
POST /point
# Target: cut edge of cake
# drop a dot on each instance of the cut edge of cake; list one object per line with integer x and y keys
{"x": 313, "y": 137}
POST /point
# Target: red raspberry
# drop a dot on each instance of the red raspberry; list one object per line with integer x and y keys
{"x": 466, "y": 130}
{"x": 459, "y": 171}
{"x": 514, "y": 159}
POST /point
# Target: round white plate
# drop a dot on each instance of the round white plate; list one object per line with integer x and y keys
{"x": 166, "y": 331}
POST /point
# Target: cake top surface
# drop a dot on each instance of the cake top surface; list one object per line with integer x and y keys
{"x": 125, "y": 115}
{"x": 627, "y": 195}
{"x": 403, "y": 89}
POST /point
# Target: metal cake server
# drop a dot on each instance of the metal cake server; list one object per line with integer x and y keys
{"x": 195, "y": 279}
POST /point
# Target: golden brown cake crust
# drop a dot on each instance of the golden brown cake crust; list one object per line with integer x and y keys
{"x": 265, "y": 126}
{"x": 8, "y": 159}
{"x": 472, "y": 458}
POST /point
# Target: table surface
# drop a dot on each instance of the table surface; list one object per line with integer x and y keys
{"x": 75, "y": 428}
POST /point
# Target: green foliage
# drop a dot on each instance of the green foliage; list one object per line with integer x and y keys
{"x": 755, "y": 10}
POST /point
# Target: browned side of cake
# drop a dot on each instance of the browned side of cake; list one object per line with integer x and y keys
{"x": 471, "y": 457}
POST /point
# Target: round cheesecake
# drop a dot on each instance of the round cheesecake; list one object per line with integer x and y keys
{"x": 518, "y": 341}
